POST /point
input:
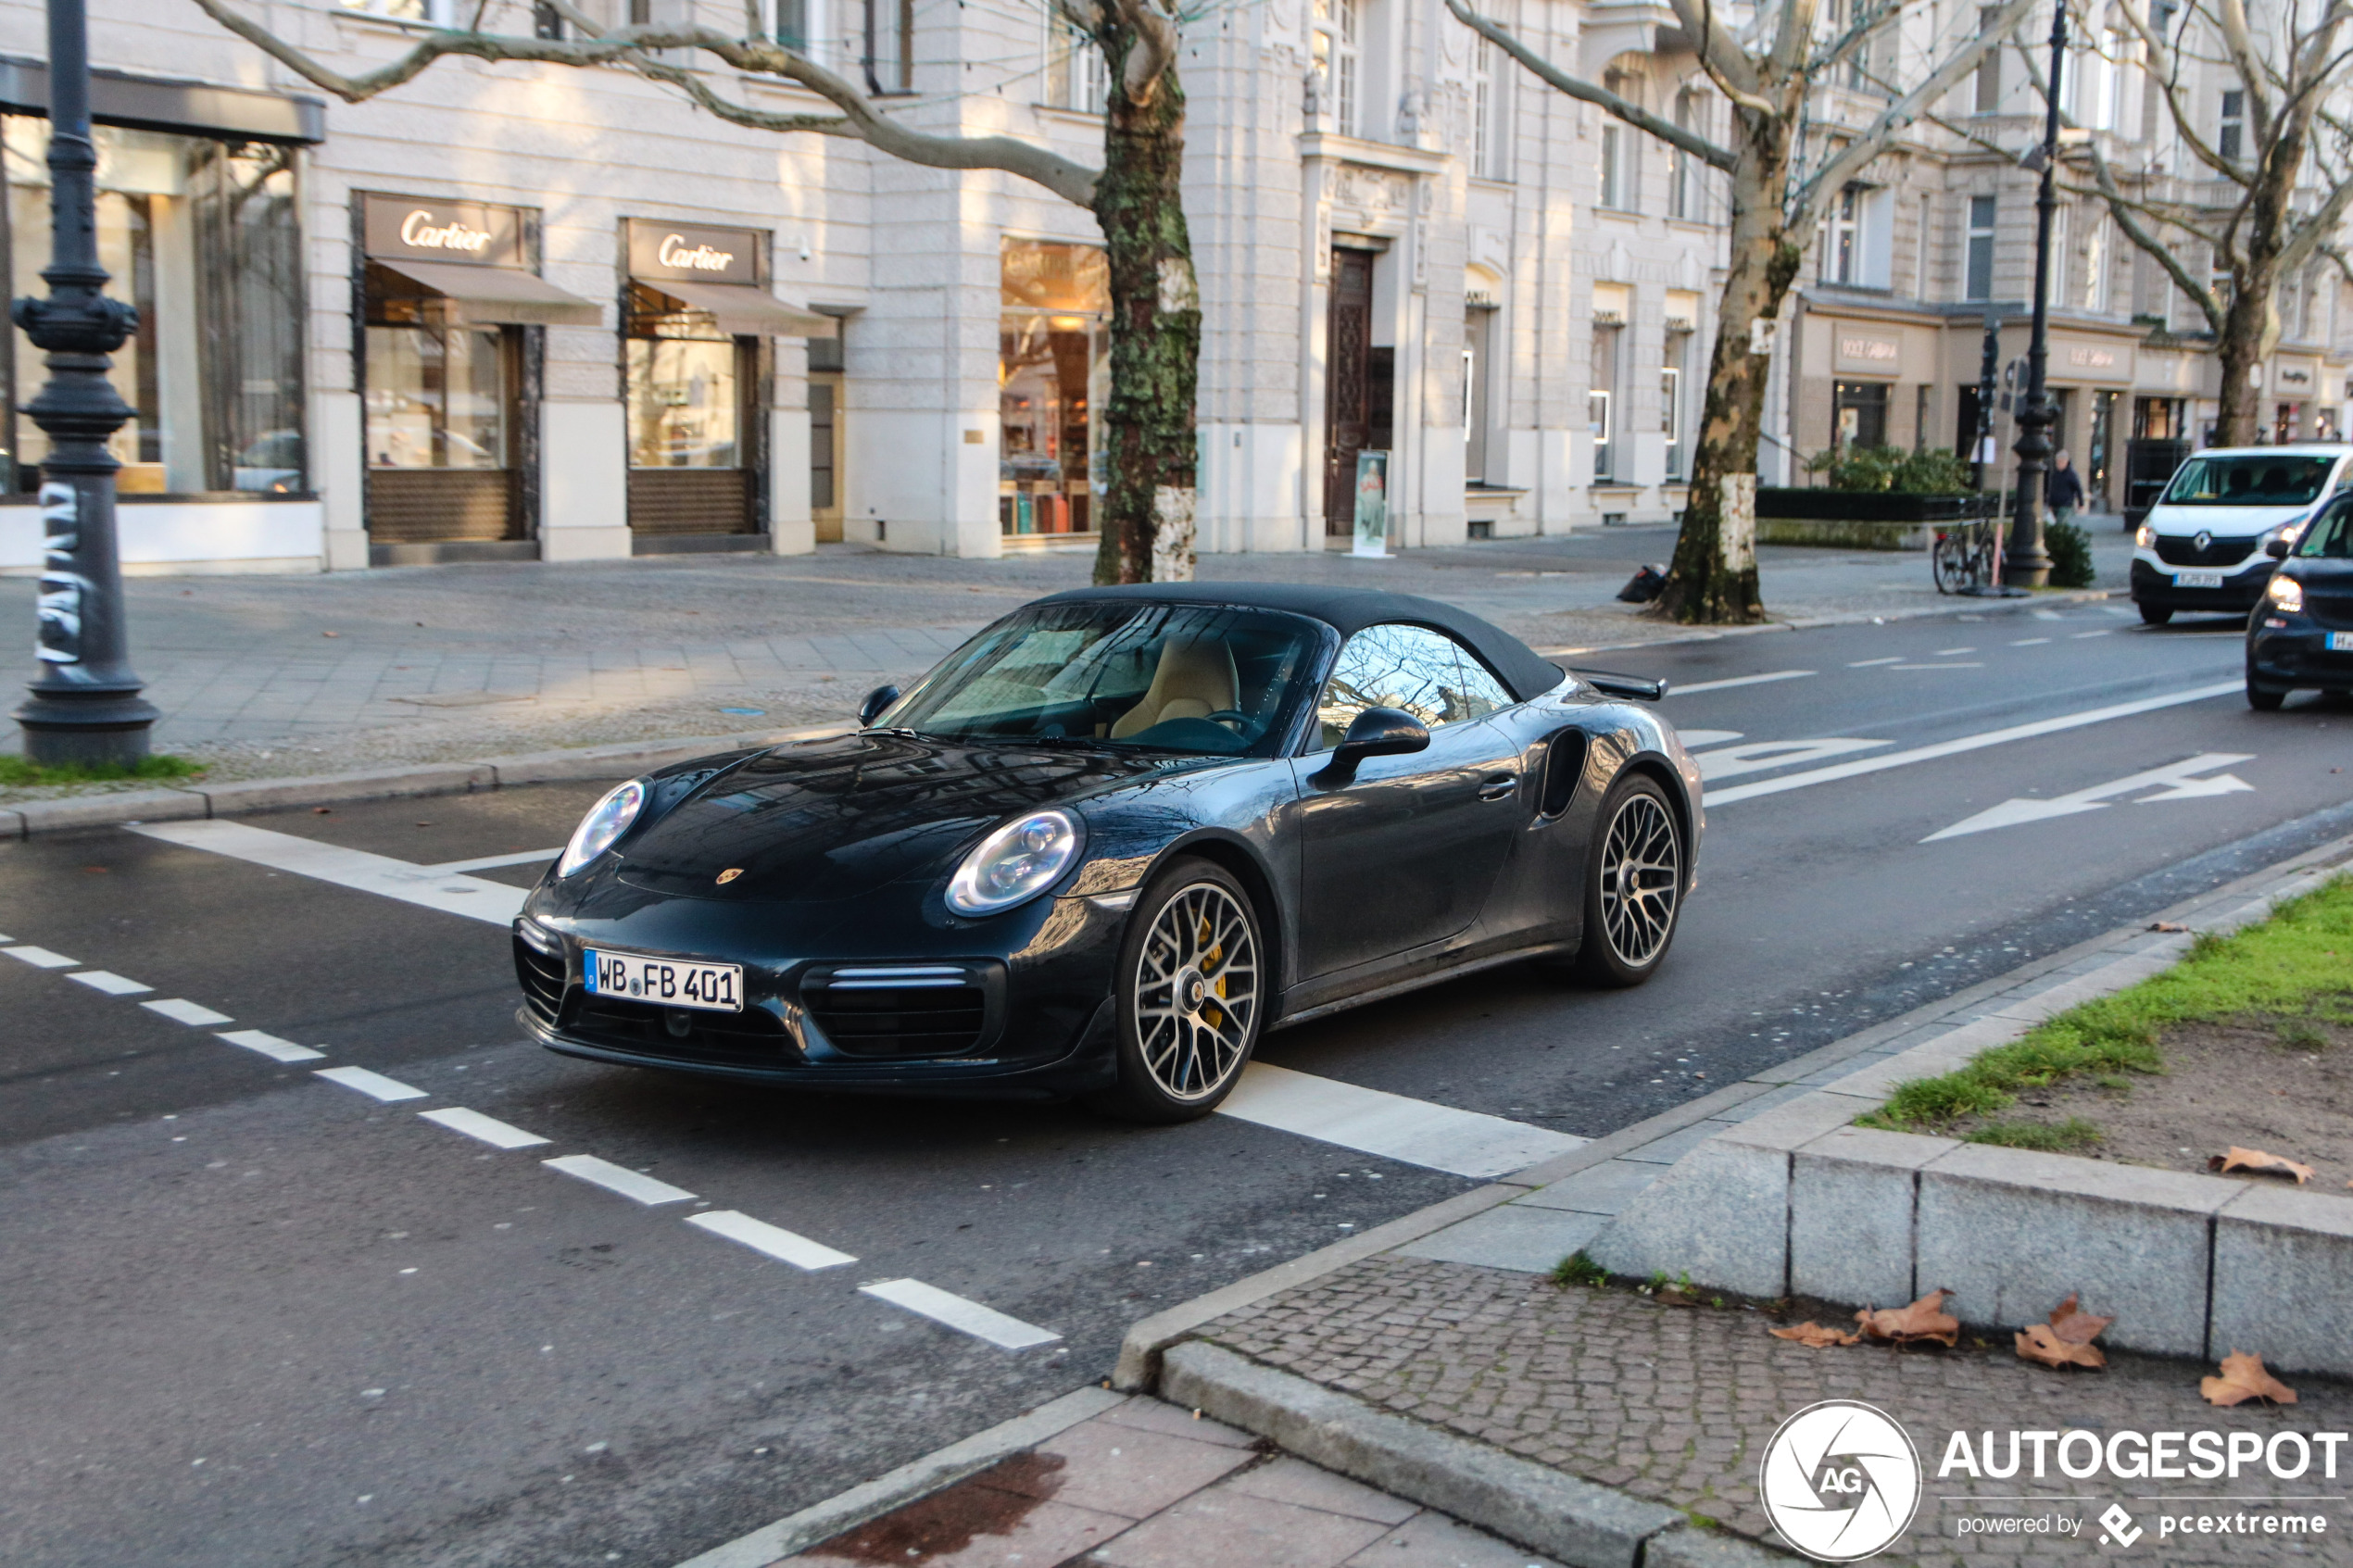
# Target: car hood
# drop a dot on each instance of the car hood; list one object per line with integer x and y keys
{"x": 834, "y": 818}
{"x": 2223, "y": 523}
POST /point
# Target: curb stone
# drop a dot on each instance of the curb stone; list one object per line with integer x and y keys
{"x": 179, "y": 802}
{"x": 1545, "y": 1510}
{"x": 1844, "y": 618}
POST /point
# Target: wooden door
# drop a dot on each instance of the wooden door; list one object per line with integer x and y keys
{"x": 824, "y": 455}
{"x": 1347, "y": 384}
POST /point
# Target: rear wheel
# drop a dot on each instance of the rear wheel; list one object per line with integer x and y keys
{"x": 2154, "y": 615}
{"x": 1633, "y": 884}
{"x": 1191, "y": 996}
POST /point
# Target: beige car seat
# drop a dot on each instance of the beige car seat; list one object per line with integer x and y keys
{"x": 1194, "y": 679}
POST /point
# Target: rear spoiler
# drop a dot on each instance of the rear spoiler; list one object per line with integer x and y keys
{"x": 1640, "y": 687}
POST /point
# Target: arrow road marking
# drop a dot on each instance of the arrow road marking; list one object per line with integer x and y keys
{"x": 1758, "y": 755}
{"x": 2174, "y": 782}
{"x": 1736, "y": 680}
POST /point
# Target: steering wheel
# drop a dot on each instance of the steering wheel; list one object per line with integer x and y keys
{"x": 1228, "y": 716}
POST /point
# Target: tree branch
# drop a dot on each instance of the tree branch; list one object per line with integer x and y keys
{"x": 1726, "y": 63}
{"x": 1153, "y": 53}
{"x": 1677, "y": 137}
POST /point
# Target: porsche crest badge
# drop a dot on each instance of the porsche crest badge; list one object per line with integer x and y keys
{"x": 730, "y": 874}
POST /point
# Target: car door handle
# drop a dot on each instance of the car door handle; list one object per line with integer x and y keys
{"x": 1499, "y": 786}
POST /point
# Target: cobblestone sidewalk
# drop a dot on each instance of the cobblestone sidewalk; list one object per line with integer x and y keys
{"x": 1675, "y": 1404}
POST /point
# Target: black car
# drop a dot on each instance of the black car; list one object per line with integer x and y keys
{"x": 1109, "y": 842}
{"x": 2302, "y": 632}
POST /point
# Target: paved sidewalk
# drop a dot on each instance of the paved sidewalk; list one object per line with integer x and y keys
{"x": 277, "y": 676}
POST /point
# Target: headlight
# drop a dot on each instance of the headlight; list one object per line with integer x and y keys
{"x": 606, "y": 821}
{"x": 1016, "y": 862}
{"x": 2285, "y": 592}
{"x": 2286, "y": 533}
{"x": 2145, "y": 538}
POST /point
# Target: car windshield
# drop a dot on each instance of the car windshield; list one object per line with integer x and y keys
{"x": 1190, "y": 678}
{"x": 2330, "y": 537}
{"x": 2250, "y": 480}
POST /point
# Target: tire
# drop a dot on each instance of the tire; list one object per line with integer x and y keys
{"x": 1194, "y": 935}
{"x": 1626, "y": 938}
{"x": 1948, "y": 563}
{"x": 2265, "y": 699}
{"x": 2152, "y": 615}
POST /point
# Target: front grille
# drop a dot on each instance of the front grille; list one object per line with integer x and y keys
{"x": 898, "y": 1010}
{"x": 753, "y": 1038}
{"x": 2176, "y": 549}
{"x": 2331, "y": 610}
{"x": 542, "y": 976}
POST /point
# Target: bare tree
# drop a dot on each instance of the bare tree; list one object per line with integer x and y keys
{"x": 1770, "y": 67}
{"x": 1146, "y": 515}
{"x": 2284, "y": 172}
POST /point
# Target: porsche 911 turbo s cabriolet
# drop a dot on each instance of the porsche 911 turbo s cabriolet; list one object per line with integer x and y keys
{"x": 1111, "y": 840}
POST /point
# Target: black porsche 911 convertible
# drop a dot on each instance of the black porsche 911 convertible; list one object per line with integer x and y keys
{"x": 1110, "y": 842}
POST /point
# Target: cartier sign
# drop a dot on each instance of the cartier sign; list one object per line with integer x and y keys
{"x": 688, "y": 253}
{"x": 402, "y": 228}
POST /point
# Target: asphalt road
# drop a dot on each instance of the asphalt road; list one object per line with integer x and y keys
{"x": 253, "y": 1318}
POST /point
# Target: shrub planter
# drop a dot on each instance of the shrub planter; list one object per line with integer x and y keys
{"x": 1854, "y": 519}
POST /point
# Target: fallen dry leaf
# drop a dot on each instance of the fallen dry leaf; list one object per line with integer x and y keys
{"x": 2244, "y": 1379}
{"x": 2167, "y": 925}
{"x": 1924, "y": 1319}
{"x": 2038, "y": 1342}
{"x": 2076, "y": 1328}
{"x": 1815, "y": 1334}
{"x": 2259, "y": 1163}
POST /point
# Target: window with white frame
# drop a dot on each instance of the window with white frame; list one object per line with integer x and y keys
{"x": 2054, "y": 290}
{"x": 1338, "y": 53}
{"x": 1924, "y": 249}
{"x": 2095, "y": 249}
{"x": 1670, "y": 399}
{"x": 887, "y": 48}
{"x": 1074, "y": 68}
{"x": 1978, "y": 275}
{"x": 432, "y": 13}
{"x": 2230, "y": 133}
{"x": 1989, "y": 66}
{"x": 1619, "y": 147}
{"x": 1686, "y": 196}
{"x": 1490, "y": 85}
{"x": 1845, "y": 238}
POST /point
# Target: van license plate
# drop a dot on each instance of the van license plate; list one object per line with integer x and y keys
{"x": 670, "y": 983}
{"x": 2197, "y": 580}
{"x": 2341, "y": 642}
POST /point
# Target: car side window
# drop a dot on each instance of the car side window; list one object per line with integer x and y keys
{"x": 1412, "y": 668}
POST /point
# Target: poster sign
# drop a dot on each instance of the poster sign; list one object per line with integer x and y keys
{"x": 1372, "y": 503}
{"x": 398, "y": 228}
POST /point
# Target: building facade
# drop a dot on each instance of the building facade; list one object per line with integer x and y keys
{"x": 511, "y": 311}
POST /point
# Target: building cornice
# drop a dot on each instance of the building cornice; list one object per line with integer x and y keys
{"x": 1336, "y": 148}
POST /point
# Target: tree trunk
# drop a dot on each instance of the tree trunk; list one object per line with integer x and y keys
{"x": 1146, "y": 513}
{"x": 1712, "y": 579}
{"x": 2241, "y": 351}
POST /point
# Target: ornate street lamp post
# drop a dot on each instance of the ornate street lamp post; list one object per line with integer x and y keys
{"x": 2028, "y": 562}
{"x": 85, "y": 706}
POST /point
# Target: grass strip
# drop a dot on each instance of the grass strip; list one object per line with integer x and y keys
{"x": 2297, "y": 963}
{"x": 16, "y": 772}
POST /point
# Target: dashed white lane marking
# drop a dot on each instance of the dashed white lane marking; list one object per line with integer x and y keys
{"x": 1415, "y": 1131}
{"x": 1693, "y": 739}
{"x": 113, "y": 985}
{"x": 271, "y": 1046}
{"x": 452, "y": 892}
{"x": 774, "y": 1240}
{"x": 2103, "y": 631}
{"x": 1866, "y": 663}
{"x": 40, "y": 958}
{"x": 1950, "y": 653}
{"x": 489, "y": 1129}
{"x": 971, "y": 1317}
{"x": 618, "y": 1178}
{"x": 1948, "y": 664}
{"x": 1736, "y": 680}
{"x": 493, "y": 862}
{"x": 1966, "y": 742}
{"x": 1756, "y": 756}
{"x": 182, "y": 1010}
{"x": 372, "y": 1083}
{"x": 2029, "y": 642}
{"x": 2046, "y": 615}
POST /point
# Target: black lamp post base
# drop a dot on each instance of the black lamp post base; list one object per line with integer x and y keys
{"x": 1991, "y": 591}
{"x": 110, "y": 732}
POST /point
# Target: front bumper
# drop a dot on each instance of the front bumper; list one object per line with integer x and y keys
{"x": 2241, "y": 591}
{"x": 2295, "y": 653}
{"x": 1017, "y": 1007}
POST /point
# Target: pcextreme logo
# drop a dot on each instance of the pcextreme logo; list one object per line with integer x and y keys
{"x": 1841, "y": 1481}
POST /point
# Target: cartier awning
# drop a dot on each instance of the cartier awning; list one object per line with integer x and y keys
{"x": 746, "y": 310}
{"x": 496, "y": 297}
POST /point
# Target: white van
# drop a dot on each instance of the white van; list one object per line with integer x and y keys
{"x": 2201, "y": 549}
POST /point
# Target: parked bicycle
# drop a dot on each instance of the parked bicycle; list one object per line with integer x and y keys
{"x": 1967, "y": 553}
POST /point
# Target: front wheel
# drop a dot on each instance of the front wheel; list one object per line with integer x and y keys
{"x": 2154, "y": 615}
{"x": 2264, "y": 699}
{"x": 1633, "y": 884}
{"x": 1191, "y": 996}
{"x": 1948, "y": 563}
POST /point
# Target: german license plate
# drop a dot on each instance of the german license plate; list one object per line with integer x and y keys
{"x": 2197, "y": 580}
{"x": 2341, "y": 642}
{"x": 670, "y": 983}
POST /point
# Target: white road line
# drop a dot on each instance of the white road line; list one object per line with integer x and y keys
{"x": 1966, "y": 743}
{"x": 271, "y": 1046}
{"x": 489, "y": 1129}
{"x": 971, "y": 1317}
{"x": 618, "y": 1178}
{"x": 2029, "y": 642}
{"x": 2046, "y": 615}
{"x": 492, "y": 862}
{"x": 40, "y": 958}
{"x": 182, "y": 1010}
{"x": 113, "y": 985}
{"x": 372, "y": 1083}
{"x": 1693, "y": 739}
{"x": 1415, "y": 1131}
{"x": 774, "y": 1240}
{"x": 1736, "y": 681}
{"x": 1866, "y": 663}
{"x": 446, "y": 891}
{"x": 2103, "y": 631}
{"x": 1754, "y": 757}
{"x": 1950, "y": 664}
{"x": 1949, "y": 653}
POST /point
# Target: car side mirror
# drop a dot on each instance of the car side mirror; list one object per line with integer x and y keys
{"x": 1377, "y": 732}
{"x": 874, "y": 702}
{"x": 2276, "y": 548}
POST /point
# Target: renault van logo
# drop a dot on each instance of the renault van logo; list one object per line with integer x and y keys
{"x": 730, "y": 874}
{"x": 1841, "y": 1481}
{"x": 2204, "y": 541}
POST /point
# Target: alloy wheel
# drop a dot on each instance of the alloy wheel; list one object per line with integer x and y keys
{"x": 1642, "y": 877}
{"x": 1196, "y": 991}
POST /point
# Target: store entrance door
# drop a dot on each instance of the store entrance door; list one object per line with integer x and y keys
{"x": 824, "y": 455}
{"x": 1357, "y": 396}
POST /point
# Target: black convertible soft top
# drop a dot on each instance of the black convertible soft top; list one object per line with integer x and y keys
{"x": 1348, "y": 610}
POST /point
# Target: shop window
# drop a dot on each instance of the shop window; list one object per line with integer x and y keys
{"x": 685, "y": 387}
{"x": 1053, "y": 371}
{"x": 1978, "y": 282}
{"x": 1478, "y": 333}
{"x": 438, "y": 393}
{"x": 1859, "y": 414}
{"x": 201, "y": 236}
